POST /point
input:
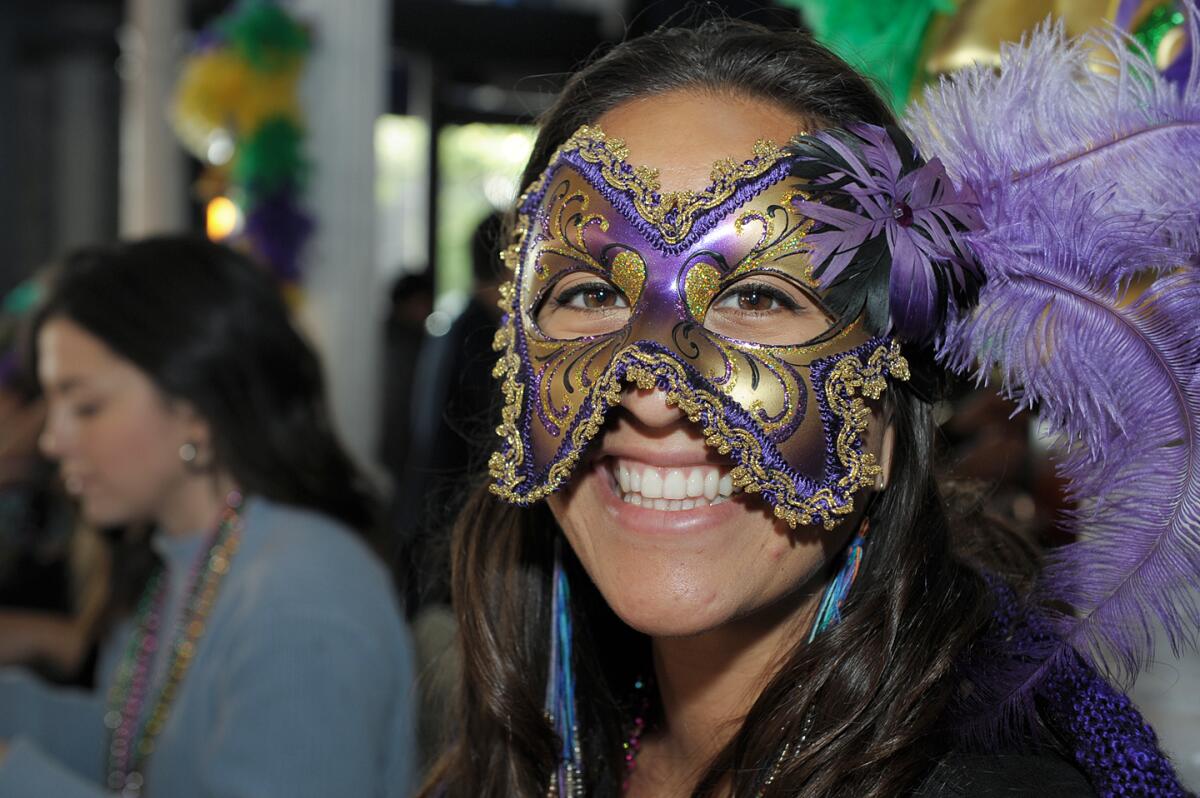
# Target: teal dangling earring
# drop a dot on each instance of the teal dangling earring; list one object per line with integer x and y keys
{"x": 567, "y": 781}
{"x": 829, "y": 611}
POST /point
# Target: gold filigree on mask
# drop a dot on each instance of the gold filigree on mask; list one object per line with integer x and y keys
{"x": 566, "y": 363}
{"x": 772, "y": 249}
{"x": 700, "y": 286}
{"x": 755, "y": 394}
{"x": 790, "y": 386}
{"x": 704, "y": 281}
{"x": 629, "y": 274}
{"x": 566, "y": 220}
{"x": 673, "y": 213}
{"x": 727, "y": 382}
{"x": 745, "y": 217}
{"x": 848, "y": 380}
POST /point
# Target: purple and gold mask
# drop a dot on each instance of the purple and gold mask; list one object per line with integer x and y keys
{"x": 784, "y": 401}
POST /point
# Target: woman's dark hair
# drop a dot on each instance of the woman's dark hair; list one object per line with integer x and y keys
{"x": 210, "y": 327}
{"x": 878, "y": 685}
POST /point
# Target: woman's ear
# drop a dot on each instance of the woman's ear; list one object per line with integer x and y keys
{"x": 880, "y": 440}
{"x": 886, "y": 445}
{"x": 194, "y": 430}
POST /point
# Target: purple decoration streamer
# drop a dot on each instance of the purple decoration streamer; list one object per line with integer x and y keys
{"x": 277, "y": 228}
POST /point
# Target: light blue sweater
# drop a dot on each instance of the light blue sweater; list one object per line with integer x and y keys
{"x": 301, "y": 687}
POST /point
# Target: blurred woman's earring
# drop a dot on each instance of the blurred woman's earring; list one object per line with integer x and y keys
{"x": 567, "y": 781}
{"x": 189, "y": 453}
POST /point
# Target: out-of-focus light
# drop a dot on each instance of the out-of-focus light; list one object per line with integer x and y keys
{"x": 487, "y": 98}
{"x": 516, "y": 146}
{"x": 446, "y": 309}
{"x": 220, "y": 147}
{"x": 438, "y": 323}
{"x": 500, "y": 190}
{"x": 222, "y": 218}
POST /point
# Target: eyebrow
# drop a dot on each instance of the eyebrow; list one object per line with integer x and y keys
{"x": 64, "y": 386}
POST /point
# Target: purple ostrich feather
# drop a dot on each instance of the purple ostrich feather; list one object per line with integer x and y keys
{"x": 1088, "y": 179}
{"x": 913, "y": 205}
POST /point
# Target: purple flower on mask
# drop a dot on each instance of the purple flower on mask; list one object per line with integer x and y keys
{"x": 886, "y": 218}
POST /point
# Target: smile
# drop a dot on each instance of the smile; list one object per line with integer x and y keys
{"x": 670, "y": 489}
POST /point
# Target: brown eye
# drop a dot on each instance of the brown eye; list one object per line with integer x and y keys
{"x": 766, "y": 309}
{"x": 754, "y": 299}
{"x": 582, "y": 305}
{"x": 591, "y": 296}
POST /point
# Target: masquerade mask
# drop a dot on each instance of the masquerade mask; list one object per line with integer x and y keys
{"x": 707, "y": 296}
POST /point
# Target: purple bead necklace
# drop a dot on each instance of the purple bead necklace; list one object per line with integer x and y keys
{"x": 131, "y": 741}
{"x": 633, "y": 743}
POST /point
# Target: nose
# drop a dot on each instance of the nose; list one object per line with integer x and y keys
{"x": 649, "y": 406}
{"x": 47, "y": 444}
{"x": 50, "y": 441}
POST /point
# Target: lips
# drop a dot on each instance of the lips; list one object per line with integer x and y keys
{"x": 73, "y": 483}
{"x": 670, "y": 488}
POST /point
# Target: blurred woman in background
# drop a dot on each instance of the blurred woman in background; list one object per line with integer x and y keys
{"x": 265, "y": 653}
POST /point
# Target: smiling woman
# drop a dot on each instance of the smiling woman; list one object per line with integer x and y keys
{"x": 707, "y": 563}
{"x": 713, "y": 559}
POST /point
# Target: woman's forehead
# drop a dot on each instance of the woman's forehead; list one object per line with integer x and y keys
{"x": 682, "y": 133}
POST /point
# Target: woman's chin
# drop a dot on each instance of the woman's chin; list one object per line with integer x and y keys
{"x": 99, "y": 511}
{"x": 673, "y": 593}
{"x": 665, "y": 616}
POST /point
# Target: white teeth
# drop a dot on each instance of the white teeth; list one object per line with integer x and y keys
{"x": 652, "y": 484}
{"x": 675, "y": 485}
{"x": 670, "y": 489}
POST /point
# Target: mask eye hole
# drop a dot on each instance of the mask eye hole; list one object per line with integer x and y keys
{"x": 767, "y": 309}
{"x": 579, "y": 305}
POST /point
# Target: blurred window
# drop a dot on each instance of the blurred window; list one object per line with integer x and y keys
{"x": 479, "y": 170}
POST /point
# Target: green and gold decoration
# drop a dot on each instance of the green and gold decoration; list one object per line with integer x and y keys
{"x": 906, "y": 44}
{"x": 237, "y": 109}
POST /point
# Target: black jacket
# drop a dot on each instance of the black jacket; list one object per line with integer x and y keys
{"x": 1005, "y": 776}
